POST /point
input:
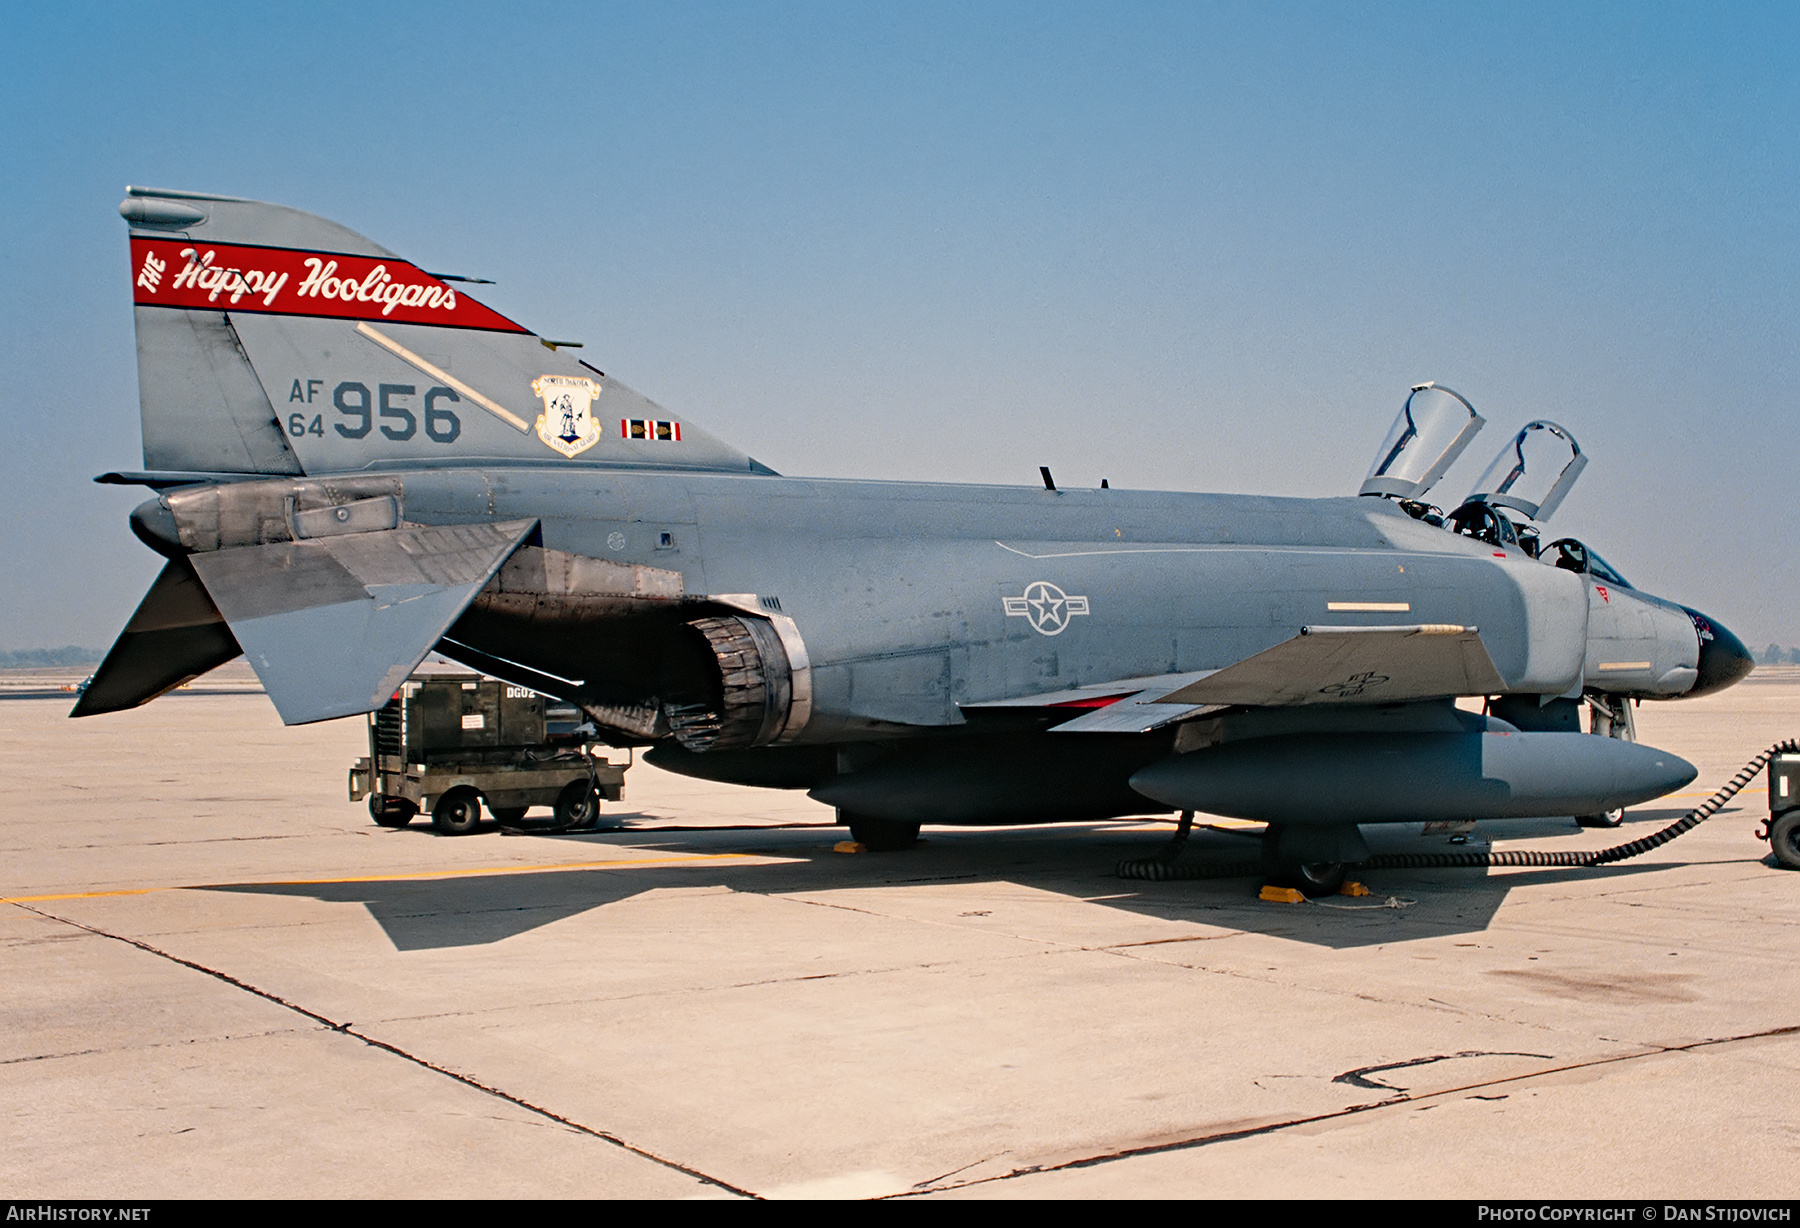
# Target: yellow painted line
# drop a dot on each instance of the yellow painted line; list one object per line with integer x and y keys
{"x": 1371, "y": 607}
{"x": 472, "y": 872}
{"x": 80, "y": 895}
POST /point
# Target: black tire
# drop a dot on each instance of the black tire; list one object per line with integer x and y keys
{"x": 1612, "y": 818}
{"x": 1312, "y": 879}
{"x": 391, "y": 811}
{"x": 577, "y": 806}
{"x": 509, "y": 816}
{"x": 882, "y": 835}
{"x": 458, "y": 812}
{"x": 1784, "y": 838}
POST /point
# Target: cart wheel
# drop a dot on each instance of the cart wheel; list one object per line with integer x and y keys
{"x": 509, "y": 816}
{"x": 391, "y": 811}
{"x": 1784, "y": 838}
{"x": 576, "y": 805}
{"x": 458, "y": 812}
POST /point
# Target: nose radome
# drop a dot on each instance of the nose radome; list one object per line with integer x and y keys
{"x": 1723, "y": 657}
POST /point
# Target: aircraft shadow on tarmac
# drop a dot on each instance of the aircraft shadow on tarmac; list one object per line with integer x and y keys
{"x": 1075, "y": 861}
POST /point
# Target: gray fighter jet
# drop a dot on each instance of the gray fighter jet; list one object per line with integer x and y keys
{"x": 357, "y": 463}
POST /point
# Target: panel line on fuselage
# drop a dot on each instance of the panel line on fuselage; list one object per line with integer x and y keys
{"x": 1219, "y": 547}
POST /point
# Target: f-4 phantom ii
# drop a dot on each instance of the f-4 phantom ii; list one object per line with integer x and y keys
{"x": 356, "y": 463}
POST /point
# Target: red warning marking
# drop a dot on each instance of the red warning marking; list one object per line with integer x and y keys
{"x": 1106, "y": 701}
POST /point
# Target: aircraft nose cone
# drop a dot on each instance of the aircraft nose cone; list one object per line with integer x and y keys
{"x": 1723, "y": 657}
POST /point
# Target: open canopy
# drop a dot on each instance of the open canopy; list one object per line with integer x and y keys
{"x": 1533, "y": 472}
{"x": 1434, "y": 426}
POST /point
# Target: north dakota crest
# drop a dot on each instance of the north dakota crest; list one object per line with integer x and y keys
{"x": 567, "y": 423}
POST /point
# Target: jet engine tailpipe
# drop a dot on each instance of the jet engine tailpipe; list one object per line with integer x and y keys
{"x": 752, "y": 691}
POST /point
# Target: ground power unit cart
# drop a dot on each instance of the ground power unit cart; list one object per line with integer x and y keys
{"x": 446, "y": 743}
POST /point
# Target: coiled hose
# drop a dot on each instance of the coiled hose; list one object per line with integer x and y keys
{"x": 1163, "y": 867}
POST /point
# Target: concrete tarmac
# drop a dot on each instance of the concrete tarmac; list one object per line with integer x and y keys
{"x": 222, "y": 980}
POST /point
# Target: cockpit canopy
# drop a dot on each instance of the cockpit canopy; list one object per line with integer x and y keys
{"x": 1575, "y": 556}
{"x": 1533, "y": 472}
{"x": 1483, "y": 523}
{"x": 1532, "y": 475}
{"x": 1434, "y": 426}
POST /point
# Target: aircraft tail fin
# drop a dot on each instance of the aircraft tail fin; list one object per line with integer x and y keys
{"x": 271, "y": 341}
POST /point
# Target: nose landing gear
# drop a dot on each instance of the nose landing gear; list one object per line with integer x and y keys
{"x": 1610, "y": 717}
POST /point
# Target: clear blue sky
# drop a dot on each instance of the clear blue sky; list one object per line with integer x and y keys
{"x": 1183, "y": 247}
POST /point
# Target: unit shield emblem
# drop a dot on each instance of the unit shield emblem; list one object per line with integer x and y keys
{"x": 567, "y": 423}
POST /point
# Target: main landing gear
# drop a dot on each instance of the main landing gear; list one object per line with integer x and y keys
{"x": 1314, "y": 860}
{"x": 880, "y": 835}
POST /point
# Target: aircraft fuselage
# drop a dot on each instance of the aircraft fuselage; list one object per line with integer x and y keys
{"x": 915, "y": 601}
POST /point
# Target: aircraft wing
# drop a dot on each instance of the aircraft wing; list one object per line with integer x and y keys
{"x": 1354, "y": 665}
{"x": 1140, "y": 713}
{"x": 333, "y": 625}
{"x": 1321, "y": 665}
{"x": 1124, "y": 705}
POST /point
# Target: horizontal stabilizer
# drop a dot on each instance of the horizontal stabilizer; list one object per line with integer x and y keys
{"x": 334, "y": 625}
{"x": 176, "y": 635}
{"x": 1354, "y": 665}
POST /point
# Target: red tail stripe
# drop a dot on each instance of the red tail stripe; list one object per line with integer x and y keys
{"x": 284, "y": 281}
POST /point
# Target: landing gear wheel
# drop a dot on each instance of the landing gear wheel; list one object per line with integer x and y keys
{"x": 1296, "y": 857}
{"x": 1612, "y": 818}
{"x": 576, "y": 806}
{"x": 391, "y": 811}
{"x": 458, "y": 812}
{"x": 883, "y": 835}
{"x": 1312, "y": 878}
{"x": 509, "y": 816}
{"x": 1784, "y": 838}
